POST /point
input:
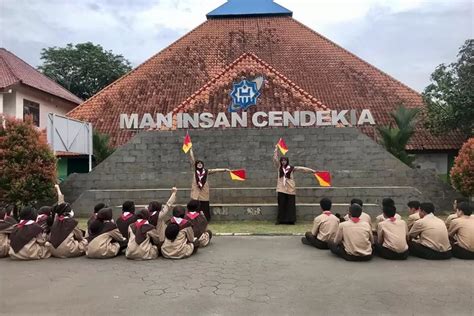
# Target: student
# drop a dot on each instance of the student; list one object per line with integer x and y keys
{"x": 364, "y": 216}
{"x": 8, "y": 214}
{"x": 324, "y": 227}
{"x": 105, "y": 240}
{"x": 45, "y": 218}
{"x": 454, "y": 215}
{"x": 386, "y": 202}
{"x": 429, "y": 236}
{"x": 200, "y": 183}
{"x": 159, "y": 214}
{"x": 461, "y": 232}
{"x": 6, "y": 229}
{"x": 27, "y": 240}
{"x": 414, "y": 213}
{"x": 198, "y": 223}
{"x": 93, "y": 216}
{"x": 144, "y": 241}
{"x": 354, "y": 238}
{"x": 392, "y": 235}
{"x": 66, "y": 239}
{"x": 179, "y": 242}
{"x": 128, "y": 217}
{"x": 286, "y": 188}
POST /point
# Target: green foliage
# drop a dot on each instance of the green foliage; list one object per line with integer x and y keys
{"x": 102, "y": 148}
{"x": 27, "y": 164}
{"x": 83, "y": 69}
{"x": 462, "y": 173}
{"x": 395, "y": 139}
{"x": 450, "y": 96}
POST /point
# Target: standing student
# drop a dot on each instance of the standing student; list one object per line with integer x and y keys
{"x": 454, "y": 215}
{"x": 128, "y": 217}
{"x": 324, "y": 227}
{"x": 413, "y": 213}
{"x": 144, "y": 241}
{"x": 6, "y": 229}
{"x": 66, "y": 239}
{"x": 429, "y": 236}
{"x": 354, "y": 238}
{"x": 45, "y": 218}
{"x": 159, "y": 213}
{"x": 198, "y": 223}
{"x": 105, "y": 240}
{"x": 386, "y": 203}
{"x": 27, "y": 240}
{"x": 363, "y": 216}
{"x": 392, "y": 235}
{"x": 200, "y": 183}
{"x": 286, "y": 188}
{"x": 461, "y": 232}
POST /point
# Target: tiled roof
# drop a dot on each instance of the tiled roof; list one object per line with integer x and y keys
{"x": 13, "y": 70}
{"x": 324, "y": 70}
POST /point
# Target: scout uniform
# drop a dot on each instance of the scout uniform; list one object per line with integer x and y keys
{"x": 183, "y": 245}
{"x": 364, "y": 217}
{"x": 324, "y": 229}
{"x": 6, "y": 229}
{"x": 124, "y": 221}
{"x": 430, "y": 238}
{"x": 105, "y": 238}
{"x": 380, "y": 218}
{"x": 158, "y": 218}
{"x": 199, "y": 225}
{"x": 450, "y": 218}
{"x": 144, "y": 241}
{"x": 392, "y": 238}
{"x": 412, "y": 219}
{"x": 461, "y": 231}
{"x": 353, "y": 240}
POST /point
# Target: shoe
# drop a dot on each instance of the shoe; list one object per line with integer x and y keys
{"x": 305, "y": 241}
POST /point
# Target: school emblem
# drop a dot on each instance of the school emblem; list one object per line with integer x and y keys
{"x": 245, "y": 94}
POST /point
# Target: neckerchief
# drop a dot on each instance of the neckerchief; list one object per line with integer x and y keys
{"x": 285, "y": 173}
{"x": 355, "y": 219}
{"x": 328, "y": 213}
{"x": 201, "y": 178}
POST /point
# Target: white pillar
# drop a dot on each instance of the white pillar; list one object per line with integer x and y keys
{"x": 1, "y": 103}
{"x": 18, "y": 106}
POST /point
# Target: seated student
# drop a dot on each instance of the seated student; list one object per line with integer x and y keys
{"x": 66, "y": 239}
{"x": 8, "y": 214}
{"x": 143, "y": 241}
{"x": 364, "y": 216}
{"x": 27, "y": 240}
{"x": 199, "y": 223}
{"x": 354, "y": 238}
{"x": 324, "y": 227}
{"x": 6, "y": 229}
{"x": 414, "y": 213}
{"x": 179, "y": 242}
{"x": 105, "y": 240}
{"x": 45, "y": 218}
{"x": 429, "y": 236}
{"x": 93, "y": 216}
{"x": 392, "y": 235}
{"x": 386, "y": 202}
{"x": 128, "y": 217}
{"x": 159, "y": 214}
{"x": 454, "y": 215}
{"x": 461, "y": 232}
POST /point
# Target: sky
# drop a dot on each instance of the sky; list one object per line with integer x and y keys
{"x": 405, "y": 38}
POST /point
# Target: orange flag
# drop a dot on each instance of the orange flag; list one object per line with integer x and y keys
{"x": 282, "y": 146}
{"x": 238, "y": 175}
{"x": 324, "y": 178}
{"x": 187, "y": 144}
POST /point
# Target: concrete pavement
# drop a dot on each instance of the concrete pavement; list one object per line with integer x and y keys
{"x": 238, "y": 276}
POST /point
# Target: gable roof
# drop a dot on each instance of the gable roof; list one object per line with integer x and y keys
{"x": 337, "y": 78}
{"x": 13, "y": 70}
{"x": 234, "y": 8}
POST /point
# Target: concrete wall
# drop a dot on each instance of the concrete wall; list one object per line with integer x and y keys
{"x": 145, "y": 168}
{"x": 434, "y": 161}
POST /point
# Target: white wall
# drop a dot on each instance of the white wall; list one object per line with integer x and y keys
{"x": 437, "y": 161}
{"x": 9, "y": 104}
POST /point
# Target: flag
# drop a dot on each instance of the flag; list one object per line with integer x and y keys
{"x": 187, "y": 144}
{"x": 282, "y": 146}
{"x": 324, "y": 178}
{"x": 238, "y": 175}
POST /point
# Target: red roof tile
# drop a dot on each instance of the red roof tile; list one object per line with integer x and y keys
{"x": 14, "y": 70}
{"x": 293, "y": 53}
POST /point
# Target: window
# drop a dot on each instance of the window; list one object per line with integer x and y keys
{"x": 31, "y": 108}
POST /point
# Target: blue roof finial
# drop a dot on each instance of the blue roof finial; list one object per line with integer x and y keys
{"x": 235, "y": 8}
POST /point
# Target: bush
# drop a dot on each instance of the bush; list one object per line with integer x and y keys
{"x": 27, "y": 164}
{"x": 462, "y": 173}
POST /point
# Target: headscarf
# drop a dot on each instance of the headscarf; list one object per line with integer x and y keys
{"x": 26, "y": 230}
{"x": 285, "y": 172}
{"x": 63, "y": 225}
{"x": 141, "y": 227}
{"x": 102, "y": 224}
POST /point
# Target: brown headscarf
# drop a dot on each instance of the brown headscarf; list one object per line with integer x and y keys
{"x": 141, "y": 227}
{"x": 102, "y": 224}
{"x": 62, "y": 226}
{"x": 26, "y": 230}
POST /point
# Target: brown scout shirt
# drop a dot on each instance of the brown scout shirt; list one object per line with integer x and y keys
{"x": 105, "y": 245}
{"x": 432, "y": 233}
{"x": 450, "y": 218}
{"x": 5, "y": 240}
{"x": 144, "y": 251}
{"x": 325, "y": 226}
{"x": 380, "y": 218}
{"x": 163, "y": 217}
{"x": 196, "y": 192}
{"x": 35, "y": 249}
{"x": 462, "y": 230}
{"x": 357, "y": 238}
{"x": 287, "y": 186}
{"x": 412, "y": 219}
{"x": 393, "y": 235}
{"x": 364, "y": 217}
{"x": 182, "y": 247}
{"x": 73, "y": 246}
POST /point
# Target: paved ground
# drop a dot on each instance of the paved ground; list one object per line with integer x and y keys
{"x": 238, "y": 276}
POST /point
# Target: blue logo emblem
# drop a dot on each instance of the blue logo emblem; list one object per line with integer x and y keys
{"x": 245, "y": 94}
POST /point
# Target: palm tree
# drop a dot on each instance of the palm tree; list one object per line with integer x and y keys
{"x": 395, "y": 139}
{"x": 102, "y": 148}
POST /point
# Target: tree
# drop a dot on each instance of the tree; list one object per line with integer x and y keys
{"x": 395, "y": 139}
{"x": 27, "y": 164}
{"x": 102, "y": 148}
{"x": 462, "y": 173}
{"x": 450, "y": 96}
{"x": 83, "y": 69}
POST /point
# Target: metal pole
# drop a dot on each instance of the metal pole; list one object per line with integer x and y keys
{"x": 91, "y": 147}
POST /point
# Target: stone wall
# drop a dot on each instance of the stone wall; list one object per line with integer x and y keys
{"x": 145, "y": 168}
